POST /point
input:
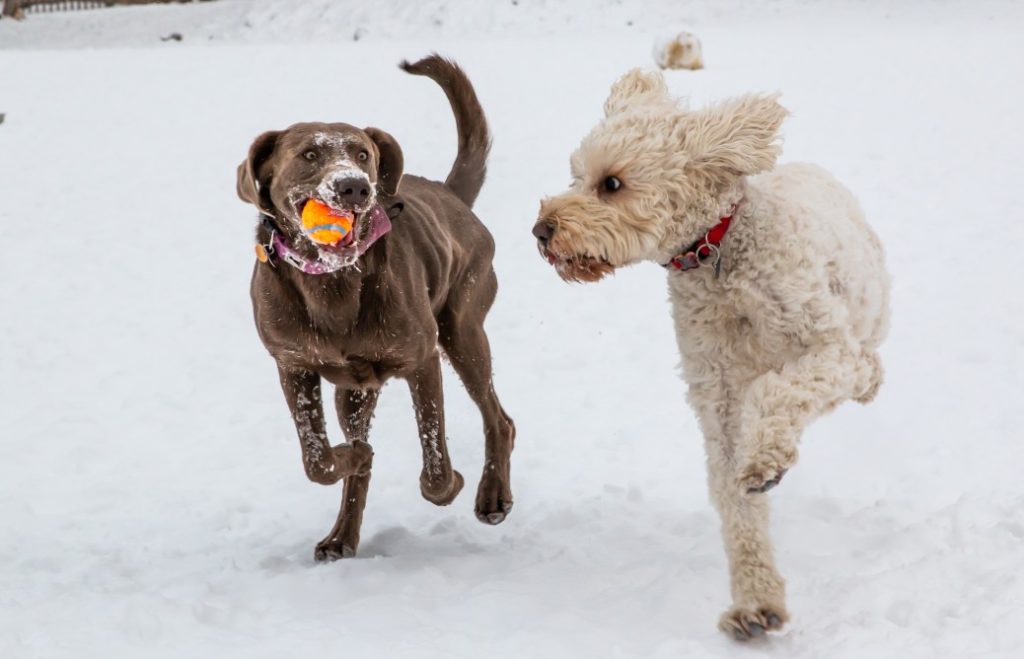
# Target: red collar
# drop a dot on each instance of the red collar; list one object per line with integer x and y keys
{"x": 692, "y": 257}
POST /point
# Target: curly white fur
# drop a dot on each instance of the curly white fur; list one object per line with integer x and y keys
{"x": 787, "y": 332}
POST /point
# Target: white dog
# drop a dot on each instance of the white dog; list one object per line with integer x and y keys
{"x": 681, "y": 51}
{"x": 779, "y": 290}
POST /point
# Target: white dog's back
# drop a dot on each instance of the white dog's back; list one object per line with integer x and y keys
{"x": 822, "y": 221}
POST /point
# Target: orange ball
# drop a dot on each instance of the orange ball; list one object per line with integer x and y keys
{"x": 324, "y": 224}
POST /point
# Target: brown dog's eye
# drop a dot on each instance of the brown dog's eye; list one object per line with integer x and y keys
{"x": 363, "y": 155}
{"x": 611, "y": 184}
{"x": 309, "y": 155}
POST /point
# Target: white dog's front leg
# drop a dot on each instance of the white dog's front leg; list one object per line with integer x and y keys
{"x": 758, "y": 591}
{"x": 779, "y": 404}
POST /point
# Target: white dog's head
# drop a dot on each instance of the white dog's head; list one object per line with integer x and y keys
{"x": 653, "y": 177}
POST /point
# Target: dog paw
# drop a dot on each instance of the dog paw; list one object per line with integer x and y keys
{"x": 870, "y": 392}
{"x": 443, "y": 493}
{"x": 355, "y": 459}
{"x": 493, "y": 499}
{"x": 744, "y": 624}
{"x": 495, "y": 517}
{"x": 873, "y": 379}
{"x": 766, "y": 469}
{"x": 759, "y": 482}
{"x": 329, "y": 550}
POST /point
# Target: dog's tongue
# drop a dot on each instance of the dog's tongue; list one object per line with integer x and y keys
{"x": 380, "y": 224}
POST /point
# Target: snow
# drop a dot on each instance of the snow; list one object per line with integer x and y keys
{"x": 151, "y": 488}
{"x": 442, "y": 21}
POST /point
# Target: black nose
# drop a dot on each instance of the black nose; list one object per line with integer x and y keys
{"x": 353, "y": 191}
{"x": 543, "y": 231}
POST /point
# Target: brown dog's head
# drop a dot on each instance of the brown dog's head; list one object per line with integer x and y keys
{"x": 341, "y": 166}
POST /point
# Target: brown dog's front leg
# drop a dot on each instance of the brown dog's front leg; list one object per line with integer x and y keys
{"x": 439, "y": 483}
{"x": 323, "y": 464}
{"x": 355, "y": 411}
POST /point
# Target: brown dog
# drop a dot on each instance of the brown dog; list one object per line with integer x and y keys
{"x": 382, "y": 303}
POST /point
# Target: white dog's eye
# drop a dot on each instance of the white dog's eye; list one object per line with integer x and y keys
{"x": 309, "y": 155}
{"x": 363, "y": 156}
{"x": 611, "y": 184}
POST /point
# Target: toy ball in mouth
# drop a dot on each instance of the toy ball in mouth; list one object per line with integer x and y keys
{"x": 325, "y": 225}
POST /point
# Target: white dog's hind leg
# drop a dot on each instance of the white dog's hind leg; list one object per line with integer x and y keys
{"x": 779, "y": 404}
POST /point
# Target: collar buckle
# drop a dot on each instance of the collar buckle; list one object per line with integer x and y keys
{"x": 708, "y": 246}
{"x": 265, "y": 252}
{"x": 295, "y": 261}
{"x": 687, "y": 261}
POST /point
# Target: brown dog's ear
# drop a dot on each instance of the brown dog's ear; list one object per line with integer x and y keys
{"x": 390, "y": 162}
{"x": 251, "y": 187}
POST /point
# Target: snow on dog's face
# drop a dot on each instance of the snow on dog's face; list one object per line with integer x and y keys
{"x": 653, "y": 177}
{"x": 336, "y": 165}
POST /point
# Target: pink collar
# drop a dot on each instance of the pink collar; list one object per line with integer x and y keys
{"x": 278, "y": 248}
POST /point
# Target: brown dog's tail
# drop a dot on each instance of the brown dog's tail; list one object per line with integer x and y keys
{"x": 467, "y": 174}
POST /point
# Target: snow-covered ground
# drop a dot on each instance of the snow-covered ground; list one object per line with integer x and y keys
{"x": 152, "y": 502}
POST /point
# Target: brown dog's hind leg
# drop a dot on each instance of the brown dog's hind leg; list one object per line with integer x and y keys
{"x": 439, "y": 483}
{"x": 466, "y": 345}
{"x": 355, "y": 411}
{"x": 323, "y": 464}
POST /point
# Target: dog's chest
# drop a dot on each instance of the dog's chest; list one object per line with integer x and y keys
{"x": 346, "y": 360}
{"x": 721, "y": 325}
{"x": 350, "y": 343}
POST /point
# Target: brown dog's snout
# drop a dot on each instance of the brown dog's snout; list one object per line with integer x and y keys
{"x": 544, "y": 230}
{"x": 352, "y": 190}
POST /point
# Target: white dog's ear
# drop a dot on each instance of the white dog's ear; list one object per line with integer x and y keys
{"x": 635, "y": 86}
{"x": 738, "y": 137}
